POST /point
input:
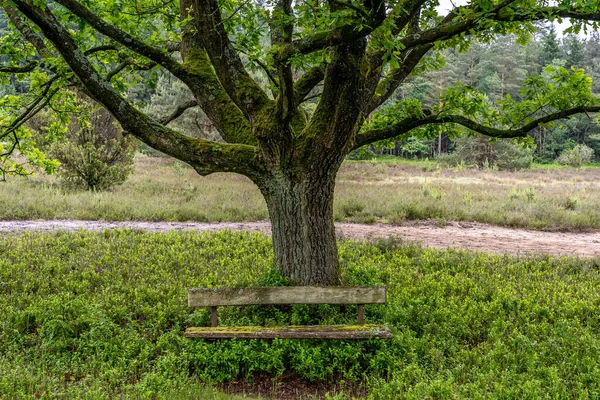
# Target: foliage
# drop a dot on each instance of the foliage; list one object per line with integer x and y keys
{"x": 99, "y": 315}
{"x": 94, "y": 153}
{"x": 577, "y": 156}
{"x": 500, "y": 68}
{"x": 493, "y": 66}
{"x": 556, "y": 89}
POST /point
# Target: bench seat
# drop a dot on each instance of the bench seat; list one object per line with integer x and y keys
{"x": 366, "y": 331}
{"x": 359, "y": 295}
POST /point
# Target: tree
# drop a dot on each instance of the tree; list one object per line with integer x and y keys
{"x": 351, "y": 55}
{"x": 574, "y": 49}
{"x": 551, "y": 48}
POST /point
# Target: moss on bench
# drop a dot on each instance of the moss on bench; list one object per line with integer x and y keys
{"x": 292, "y": 332}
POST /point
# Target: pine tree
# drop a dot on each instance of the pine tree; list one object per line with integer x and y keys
{"x": 574, "y": 48}
{"x": 550, "y": 48}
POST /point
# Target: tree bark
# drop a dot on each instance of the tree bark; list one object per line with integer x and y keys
{"x": 301, "y": 211}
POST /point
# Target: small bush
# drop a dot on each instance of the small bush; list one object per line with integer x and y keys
{"x": 94, "y": 154}
{"x": 360, "y": 154}
{"x": 571, "y": 203}
{"x": 577, "y": 156}
{"x": 479, "y": 151}
{"x": 352, "y": 207}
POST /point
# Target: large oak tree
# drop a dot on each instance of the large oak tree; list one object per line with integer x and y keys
{"x": 347, "y": 56}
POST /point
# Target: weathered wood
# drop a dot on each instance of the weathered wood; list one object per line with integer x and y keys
{"x": 214, "y": 321}
{"x": 286, "y": 295}
{"x": 292, "y": 332}
{"x": 361, "y": 314}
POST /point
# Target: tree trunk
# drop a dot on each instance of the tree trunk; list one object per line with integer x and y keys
{"x": 301, "y": 211}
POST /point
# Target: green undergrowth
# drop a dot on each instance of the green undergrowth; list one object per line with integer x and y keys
{"x": 102, "y": 316}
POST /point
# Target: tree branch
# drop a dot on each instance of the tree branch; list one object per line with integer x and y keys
{"x": 30, "y": 66}
{"x": 120, "y": 36}
{"x": 307, "y": 82}
{"x": 388, "y": 85}
{"x": 452, "y": 26}
{"x": 97, "y": 49}
{"x": 31, "y": 110}
{"x": 282, "y": 29}
{"x": 321, "y": 40}
{"x": 181, "y": 108}
{"x": 411, "y": 123}
{"x": 204, "y": 155}
{"x": 26, "y": 31}
{"x": 207, "y": 30}
{"x": 201, "y": 81}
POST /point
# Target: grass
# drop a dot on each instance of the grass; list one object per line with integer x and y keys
{"x": 102, "y": 315}
{"x": 366, "y": 192}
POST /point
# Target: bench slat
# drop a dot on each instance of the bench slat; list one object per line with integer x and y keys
{"x": 286, "y": 295}
{"x": 292, "y": 332}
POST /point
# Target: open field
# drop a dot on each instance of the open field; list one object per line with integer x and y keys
{"x": 367, "y": 192}
{"x": 101, "y": 315}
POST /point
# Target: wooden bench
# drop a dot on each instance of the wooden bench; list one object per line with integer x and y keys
{"x": 288, "y": 295}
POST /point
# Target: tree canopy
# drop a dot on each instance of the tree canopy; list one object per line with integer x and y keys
{"x": 253, "y": 66}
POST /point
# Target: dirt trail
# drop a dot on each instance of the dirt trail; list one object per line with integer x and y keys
{"x": 463, "y": 235}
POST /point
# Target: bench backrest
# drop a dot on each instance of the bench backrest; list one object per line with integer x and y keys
{"x": 286, "y": 295}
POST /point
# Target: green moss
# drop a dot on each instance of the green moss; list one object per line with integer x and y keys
{"x": 230, "y": 118}
{"x": 233, "y": 330}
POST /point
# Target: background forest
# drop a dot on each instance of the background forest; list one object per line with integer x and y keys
{"x": 498, "y": 69}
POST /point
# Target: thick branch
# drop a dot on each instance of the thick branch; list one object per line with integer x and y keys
{"x": 333, "y": 123}
{"x": 204, "y": 155}
{"x": 208, "y": 31}
{"x": 321, "y": 40}
{"x": 411, "y": 123}
{"x": 26, "y": 31}
{"x": 282, "y": 29}
{"x": 201, "y": 81}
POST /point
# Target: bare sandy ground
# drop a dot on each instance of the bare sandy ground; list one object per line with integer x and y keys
{"x": 462, "y": 235}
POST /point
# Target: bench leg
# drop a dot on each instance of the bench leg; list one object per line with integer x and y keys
{"x": 361, "y": 314}
{"x": 213, "y": 316}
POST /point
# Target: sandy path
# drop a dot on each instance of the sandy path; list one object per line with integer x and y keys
{"x": 463, "y": 235}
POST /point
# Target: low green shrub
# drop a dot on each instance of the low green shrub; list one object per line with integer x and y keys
{"x": 102, "y": 315}
{"x": 577, "y": 156}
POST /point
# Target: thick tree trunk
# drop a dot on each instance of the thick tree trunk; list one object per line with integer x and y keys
{"x": 301, "y": 211}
